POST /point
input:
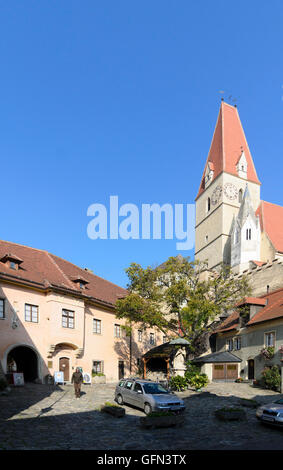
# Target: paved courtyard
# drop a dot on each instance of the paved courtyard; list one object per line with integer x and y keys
{"x": 44, "y": 417}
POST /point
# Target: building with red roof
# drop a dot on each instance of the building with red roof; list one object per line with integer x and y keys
{"x": 56, "y": 316}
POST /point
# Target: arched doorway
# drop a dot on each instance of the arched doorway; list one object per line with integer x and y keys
{"x": 23, "y": 359}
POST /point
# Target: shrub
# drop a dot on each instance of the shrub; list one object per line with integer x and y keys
{"x": 199, "y": 381}
{"x": 194, "y": 377}
{"x": 272, "y": 378}
{"x": 178, "y": 383}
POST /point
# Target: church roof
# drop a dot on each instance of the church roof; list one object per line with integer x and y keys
{"x": 228, "y": 143}
{"x": 271, "y": 217}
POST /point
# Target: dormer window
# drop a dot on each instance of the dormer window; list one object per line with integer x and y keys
{"x": 11, "y": 261}
{"x": 209, "y": 172}
{"x": 242, "y": 166}
{"x": 80, "y": 281}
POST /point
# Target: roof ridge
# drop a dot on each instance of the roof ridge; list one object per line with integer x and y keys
{"x": 24, "y": 246}
{"x": 88, "y": 272}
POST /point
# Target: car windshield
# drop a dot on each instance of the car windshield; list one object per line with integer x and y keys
{"x": 154, "y": 389}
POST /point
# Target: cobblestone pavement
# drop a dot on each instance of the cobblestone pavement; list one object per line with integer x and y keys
{"x": 43, "y": 417}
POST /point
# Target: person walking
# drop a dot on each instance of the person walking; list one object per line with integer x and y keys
{"x": 77, "y": 380}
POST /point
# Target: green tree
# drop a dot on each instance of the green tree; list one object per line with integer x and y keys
{"x": 181, "y": 297}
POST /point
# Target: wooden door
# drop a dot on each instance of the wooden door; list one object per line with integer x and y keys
{"x": 225, "y": 372}
{"x": 218, "y": 372}
{"x": 231, "y": 371}
{"x": 251, "y": 369}
{"x": 64, "y": 366}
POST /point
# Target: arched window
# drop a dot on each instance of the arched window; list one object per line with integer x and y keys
{"x": 240, "y": 195}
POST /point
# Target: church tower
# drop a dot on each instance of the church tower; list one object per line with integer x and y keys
{"x": 228, "y": 179}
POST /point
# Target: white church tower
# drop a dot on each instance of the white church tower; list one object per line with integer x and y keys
{"x": 245, "y": 235}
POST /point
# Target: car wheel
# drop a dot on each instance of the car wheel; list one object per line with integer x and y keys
{"x": 120, "y": 400}
{"x": 147, "y": 408}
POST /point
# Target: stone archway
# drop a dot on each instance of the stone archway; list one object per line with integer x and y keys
{"x": 22, "y": 358}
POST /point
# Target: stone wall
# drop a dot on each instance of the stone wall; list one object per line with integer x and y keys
{"x": 268, "y": 276}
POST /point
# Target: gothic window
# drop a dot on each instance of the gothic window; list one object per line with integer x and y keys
{"x": 248, "y": 234}
{"x": 240, "y": 195}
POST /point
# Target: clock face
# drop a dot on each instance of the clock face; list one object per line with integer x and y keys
{"x": 230, "y": 191}
{"x": 216, "y": 195}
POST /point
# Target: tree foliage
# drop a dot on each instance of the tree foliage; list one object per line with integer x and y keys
{"x": 181, "y": 297}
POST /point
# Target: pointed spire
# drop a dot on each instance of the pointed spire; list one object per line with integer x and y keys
{"x": 246, "y": 208}
{"x": 228, "y": 144}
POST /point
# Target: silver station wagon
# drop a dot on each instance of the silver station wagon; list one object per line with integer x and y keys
{"x": 271, "y": 413}
{"x": 147, "y": 395}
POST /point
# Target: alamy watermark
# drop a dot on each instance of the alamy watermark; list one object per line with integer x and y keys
{"x": 151, "y": 221}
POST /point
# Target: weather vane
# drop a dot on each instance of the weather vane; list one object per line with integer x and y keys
{"x": 230, "y": 98}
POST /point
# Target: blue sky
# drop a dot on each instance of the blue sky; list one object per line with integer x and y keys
{"x": 121, "y": 98}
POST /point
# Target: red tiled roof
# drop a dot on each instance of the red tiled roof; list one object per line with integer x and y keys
{"x": 230, "y": 323}
{"x": 44, "y": 269}
{"x": 227, "y": 145}
{"x": 271, "y": 221}
{"x": 272, "y": 309}
{"x": 252, "y": 301}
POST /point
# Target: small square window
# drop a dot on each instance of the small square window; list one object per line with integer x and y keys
{"x": 68, "y": 319}
{"x": 31, "y": 313}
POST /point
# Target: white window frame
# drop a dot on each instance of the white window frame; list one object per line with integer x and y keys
{"x": 229, "y": 343}
{"x": 32, "y": 316}
{"x": 96, "y": 326}
{"x": 68, "y": 319}
{"x": 117, "y": 331}
{"x": 237, "y": 343}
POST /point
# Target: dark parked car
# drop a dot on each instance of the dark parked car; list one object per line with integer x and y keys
{"x": 147, "y": 395}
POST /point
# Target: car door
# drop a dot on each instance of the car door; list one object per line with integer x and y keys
{"x": 127, "y": 392}
{"x": 137, "y": 395}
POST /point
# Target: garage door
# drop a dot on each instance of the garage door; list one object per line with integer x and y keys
{"x": 225, "y": 371}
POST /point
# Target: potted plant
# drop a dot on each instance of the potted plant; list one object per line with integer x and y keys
{"x": 98, "y": 378}
{"x": 268, "y": 352}
{"x": 113, "y": 409}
